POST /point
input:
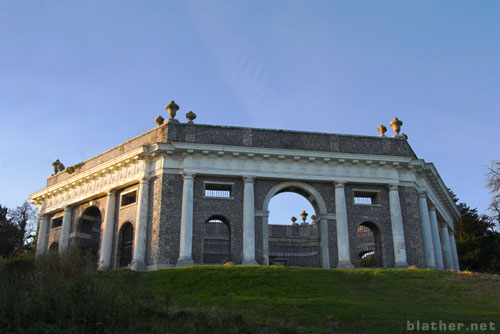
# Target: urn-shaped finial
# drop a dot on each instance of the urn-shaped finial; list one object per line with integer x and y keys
{"x": 304, "y": 215}
{"x": 172, "y": 108}
{"x": 294, "y": 220}
{"x": 159, "y": 120}
{"x": 313, "y": 219}
{"x": 190, "y": 116}
{"x": 396, "y": 125}
{"x": 382, "y": 130}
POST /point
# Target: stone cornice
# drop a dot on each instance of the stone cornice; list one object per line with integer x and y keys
{"x": 209, "y": 159}
{"x": 93, "y": 182}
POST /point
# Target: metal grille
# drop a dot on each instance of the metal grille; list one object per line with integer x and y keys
{"x": 363, "y": 200}
{"x": 217, "y": 242}
{"x": 299, "y": 252}
{"x": 126, "y": 242}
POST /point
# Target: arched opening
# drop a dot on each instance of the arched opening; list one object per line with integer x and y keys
{"x": 126, "y": 241}
{"x": 216, "y": 241}
{"x": 88, "y": 234}
{"x": 293, "y": 230}
{"x": 54, "y": 248}
{"x": 368, "y": 245}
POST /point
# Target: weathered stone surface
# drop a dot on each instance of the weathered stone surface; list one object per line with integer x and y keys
{"x": 165, "y": 170}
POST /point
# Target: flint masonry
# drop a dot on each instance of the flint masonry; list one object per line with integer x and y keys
{"x": 185, "y": 193}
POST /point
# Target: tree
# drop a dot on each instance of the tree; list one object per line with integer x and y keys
{"x": 477, "y": 241}
{"x": 17, "y": 229}
{"x": 24, "y": 217}
{"x": 494, "y": 184}
{"x": 11, "y": 236}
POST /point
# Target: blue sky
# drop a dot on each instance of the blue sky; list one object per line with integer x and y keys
{"x": 79, "y": 77}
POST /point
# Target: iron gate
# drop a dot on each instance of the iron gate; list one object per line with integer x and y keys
{"x": 294, "y": 246}
{"x": 216, "y": 242}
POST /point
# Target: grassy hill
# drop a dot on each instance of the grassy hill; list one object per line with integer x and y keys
{"x": 242, "y": 299}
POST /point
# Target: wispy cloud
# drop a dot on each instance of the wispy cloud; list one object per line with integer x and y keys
{"x": 241, "y": 69}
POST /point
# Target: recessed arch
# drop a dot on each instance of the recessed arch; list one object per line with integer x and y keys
{"x": 125, "y": 244}
{"x": 299, "y": 244}
{"x": 368, "y": 245}
{"x": 88, "y": 233}
{"x": 54, "y": 247}
{"x": 216, "y": 240}
{"x": 301, "y": 188}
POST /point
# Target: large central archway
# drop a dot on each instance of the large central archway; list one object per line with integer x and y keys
{"x": 297, "y": 244}
{"x": 88, "y": 236}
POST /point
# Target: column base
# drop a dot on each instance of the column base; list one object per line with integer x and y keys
{"x": 104, "y": 267}
{"x": 345, "y": 264}
{"x": 137, "y": 266}
{"x": 401, "y": 265}
{"x": 249, "y": 262}
{"x": 184, "y": 262}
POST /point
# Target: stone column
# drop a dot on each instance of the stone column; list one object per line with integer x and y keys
{"x": 438, "y": 254}
{"x": 107, "y": 236}
{"x": 186, "y": 235}
{"x": 448, "y": 258}
{"x": 342, "y": 228}
{"x": 323, "y": 244}
{"x": 248, "y": 221}
{"x": 141, "y": 226}
{"x": 398, "y": 236}
{"x": 430, "y": 261}
{"x": 43, "y": 235}
{"x": 454, "y": 251}
{"x": 265, "y": 238}
{"x": 65, "y": 229}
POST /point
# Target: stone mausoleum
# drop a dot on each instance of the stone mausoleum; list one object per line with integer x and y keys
{"x": 185, "y": 193}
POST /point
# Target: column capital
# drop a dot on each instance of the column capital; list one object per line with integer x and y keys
{"x": 68, "y": 208}
{"x": 432, "y": 207}
{"x": 422, "y": 193}
{"x": 339, "y": 184}
{"x": 111, "y": 192}
{"x": 188, "y": 175}
{"x": 249, "y": 178}
{"x": 393, "y": 186}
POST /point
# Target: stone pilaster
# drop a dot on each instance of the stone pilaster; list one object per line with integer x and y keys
{"x": 438, "y": 254}
{"x": 65, "y": 229}
{"x": 186, "y": 233}
{"x": 265, "y": 238}
{"x": 430, "y": 260}
{"x": 107, "y": 236}
{"x": 448, "y": 257}
{"x": 454, "y": 251}
{"x": 248, "y": 221}
{"x": 323, "y": 244}
{"x": 141, "y": 226}
{"x": 43, "y": 235}
{"x": 342, "y": 228}
{"x": 398, "y": 237}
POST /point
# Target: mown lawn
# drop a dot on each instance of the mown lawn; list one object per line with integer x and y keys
{"x": 64, "y": 294}
{"x": 321, "y": 301}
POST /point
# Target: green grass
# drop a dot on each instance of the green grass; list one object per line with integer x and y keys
{"x": 317, "y": 300}
{"x": 66, "y": 296}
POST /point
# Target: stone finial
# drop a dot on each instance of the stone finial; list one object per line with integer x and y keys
{"x": 294, "y": 221}
{"x": 58, "y": 166}
{"x": 304, "y": 215}
{"x": 382, "y": 130}
{"x": 396, "y": 126}
{"x": 313, "y": 218}
{"x": 172, "y": 108}
{"x": 159, "y": 120}
{"x": 190, "y": 116}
